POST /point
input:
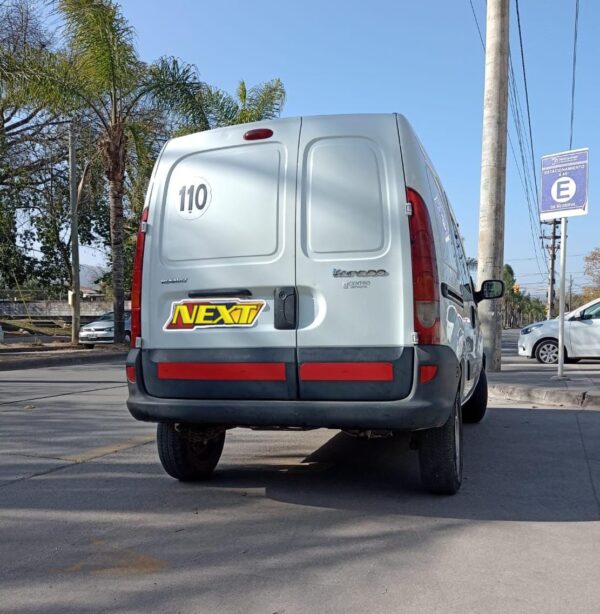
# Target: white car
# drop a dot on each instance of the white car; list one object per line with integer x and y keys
{"x": 101, "y": 331}
{"x": 582, "y": 336}
{"x": 304, "y": 273}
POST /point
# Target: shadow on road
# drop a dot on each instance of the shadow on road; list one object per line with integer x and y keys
{"x": 520, "y": 465}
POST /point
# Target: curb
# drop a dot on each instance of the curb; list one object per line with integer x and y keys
{"x": 77, "y": 358}
{"x": 547, "y": 396}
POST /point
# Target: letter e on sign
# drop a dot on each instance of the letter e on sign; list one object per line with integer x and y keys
{"x": 563, "y": 189}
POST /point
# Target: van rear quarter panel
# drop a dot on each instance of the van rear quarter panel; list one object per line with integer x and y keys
{"x": 416, "y": 164}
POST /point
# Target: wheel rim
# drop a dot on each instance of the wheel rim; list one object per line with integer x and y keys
{"x": 548, "y": 353}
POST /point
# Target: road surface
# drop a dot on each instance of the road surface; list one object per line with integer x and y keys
{"x": 292, "y": 522}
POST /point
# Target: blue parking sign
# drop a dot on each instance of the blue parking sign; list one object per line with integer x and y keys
{"x": 564, "y": 184}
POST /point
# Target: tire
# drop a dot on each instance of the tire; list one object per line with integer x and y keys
{"x": 475, "y": 408}
{"x": 441, "y": 455}
{"x": 88, "y": 346}
{"x": 546, "y": 352}
{"x": 184, "y": 456}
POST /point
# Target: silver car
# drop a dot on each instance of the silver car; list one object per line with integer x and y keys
{"x": 102, "y": 330}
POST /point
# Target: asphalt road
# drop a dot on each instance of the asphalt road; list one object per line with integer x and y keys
{"x": 292, "y": 522}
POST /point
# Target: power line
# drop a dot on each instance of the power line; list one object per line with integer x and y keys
{"x": 574, "y": 67}
{"x": 477, "y": 24}
{"x": 527, "y": 97}
{"x": 524, "y": 177}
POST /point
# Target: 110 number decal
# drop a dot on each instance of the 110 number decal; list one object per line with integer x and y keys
{"x": 193, "y": 197}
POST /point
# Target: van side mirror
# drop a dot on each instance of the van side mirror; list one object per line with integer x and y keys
{"x": 490, "y": 289}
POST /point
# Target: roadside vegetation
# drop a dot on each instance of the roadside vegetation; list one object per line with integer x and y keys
{"x": 86, "y": 73}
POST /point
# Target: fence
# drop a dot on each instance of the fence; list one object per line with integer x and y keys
{"x": 53, "y": 309}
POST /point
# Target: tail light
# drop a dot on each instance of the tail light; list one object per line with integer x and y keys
{"x": 424, "y": 272}
{"x": 136, "y": 281}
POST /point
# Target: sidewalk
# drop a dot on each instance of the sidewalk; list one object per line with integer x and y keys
{"x": 31, "y": 358}
{"x": 523, "y": 379}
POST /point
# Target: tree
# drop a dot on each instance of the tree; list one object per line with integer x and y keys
{"x": 98, "y": 81}
{"x": 592, "y": 270}
{"x": 518, "y": 309}
{"x": 211, "y": 107}
{"x": 101, "y": 72}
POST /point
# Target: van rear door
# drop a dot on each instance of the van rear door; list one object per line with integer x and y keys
{"x": 353, "y": 260}
{"x": 219, "y": 274}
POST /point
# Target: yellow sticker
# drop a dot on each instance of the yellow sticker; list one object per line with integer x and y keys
{"x": 213, "y": 313}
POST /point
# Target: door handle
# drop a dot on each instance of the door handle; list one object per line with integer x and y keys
{"x": 285, "y": 312}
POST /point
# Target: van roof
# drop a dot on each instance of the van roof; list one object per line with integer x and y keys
{"x": 273, "y": 122}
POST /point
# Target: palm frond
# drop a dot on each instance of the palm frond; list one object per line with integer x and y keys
{"x": 176, "y": 87}
{"x": 267, "y": 99}
{"x": 102, "y": 42}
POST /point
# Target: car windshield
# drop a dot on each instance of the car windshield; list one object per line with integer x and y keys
{"x": 105, "y": 316}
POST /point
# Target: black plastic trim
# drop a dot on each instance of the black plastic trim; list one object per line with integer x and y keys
{"x": 452, "y": 294}
{"x": 401, "y": 359}
{"x": 216, "y": 389}
{"x": 428, "y": 405}
{"x": 220, "y": 293}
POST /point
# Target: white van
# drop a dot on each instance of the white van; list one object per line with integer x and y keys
{"x": 304, "y": 273}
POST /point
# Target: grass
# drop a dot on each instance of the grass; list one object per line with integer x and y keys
{"x": 35, "y": 329}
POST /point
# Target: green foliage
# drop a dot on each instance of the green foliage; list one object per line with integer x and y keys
{"x": 124, "y": 110}
{"x": 519, "y": 309}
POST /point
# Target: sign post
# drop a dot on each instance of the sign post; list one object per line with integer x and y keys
{"x": 564, "y": 194}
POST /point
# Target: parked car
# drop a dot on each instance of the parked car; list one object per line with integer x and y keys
{"x": 101, "y": 331}
{"x": 582, "y": 336}
{"x": 304, "y": 273}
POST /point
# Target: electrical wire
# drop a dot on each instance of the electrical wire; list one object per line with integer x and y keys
{"x": 526, "y": 150}
{"x": 574, "y": 72}
{"x": 527, "y": 98}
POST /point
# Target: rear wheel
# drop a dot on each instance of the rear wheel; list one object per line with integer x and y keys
{"x": 546, "y": 352}
{"x": 440, "y": 454}
{"x": 189, "y": 452}
{"x": 474, "y": 409}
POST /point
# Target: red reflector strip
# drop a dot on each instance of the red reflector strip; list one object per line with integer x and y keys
{"x": 347, "y": 371}
{"x": 223, "y": 371}
{"x": 130, "y": 371}
{"x": 427, "y": 373}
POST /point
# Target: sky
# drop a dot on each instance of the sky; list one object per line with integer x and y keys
{"x": 420, "y": 58}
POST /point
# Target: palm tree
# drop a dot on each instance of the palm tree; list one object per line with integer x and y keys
{"x": 101, "y": 79}
{"x": 102, "y": 76}
{"x": 211, "y": 107}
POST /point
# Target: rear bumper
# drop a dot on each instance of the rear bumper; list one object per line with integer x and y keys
{"x": 427, "y": 405}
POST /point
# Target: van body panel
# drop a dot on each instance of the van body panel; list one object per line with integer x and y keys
{"x": 242, "y": 240}
{"x": 458, "y": 310}
{"x": 352, "y": 224}
{"x": 316, "y": 213}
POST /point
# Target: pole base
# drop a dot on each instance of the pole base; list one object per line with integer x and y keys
{"x": 560, "y": 377}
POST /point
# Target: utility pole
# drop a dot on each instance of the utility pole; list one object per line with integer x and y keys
{"x": 552, "y": 249}
{"x": 493, "y": 174}
{"x": 75, "y": 304}
{"x": 570, "y": 293}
